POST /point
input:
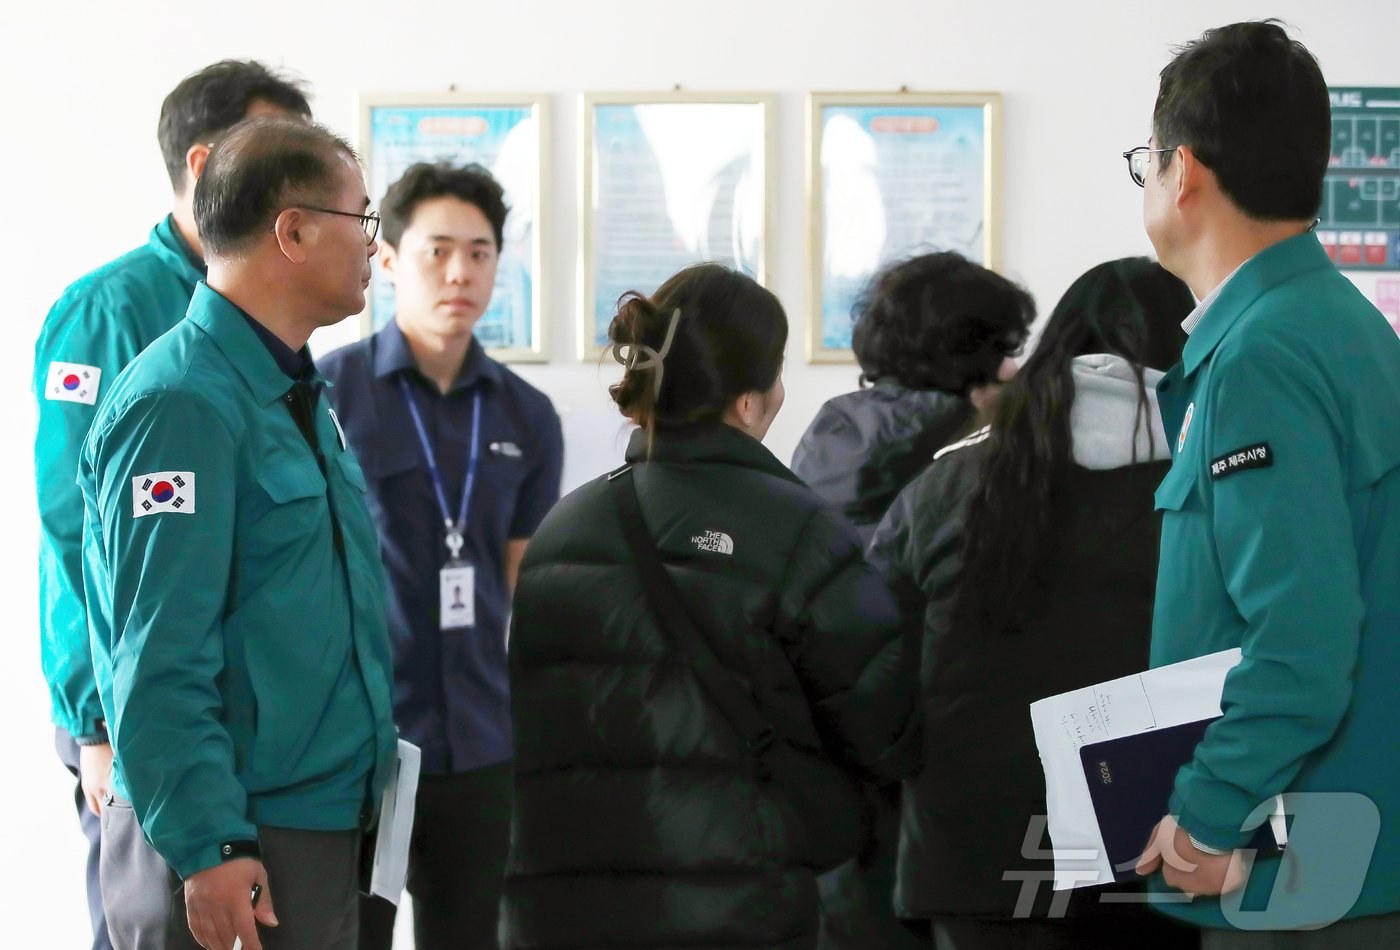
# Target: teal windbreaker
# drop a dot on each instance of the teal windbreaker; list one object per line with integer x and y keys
{"x": 236, "y": 598}
{"x": 100, "y": 323}
{"x": 1281, "y": 536}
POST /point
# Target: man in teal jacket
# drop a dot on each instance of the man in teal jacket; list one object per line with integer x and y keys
{"x": 232, "y": 567}
{"x": 1281, "y": 513}
{"x": 98, "y": 326}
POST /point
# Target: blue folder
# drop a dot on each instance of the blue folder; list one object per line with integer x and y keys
{"x": 1130, "y": 782}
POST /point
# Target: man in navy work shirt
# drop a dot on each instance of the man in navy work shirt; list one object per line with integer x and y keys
{"x": 463, "y": 460}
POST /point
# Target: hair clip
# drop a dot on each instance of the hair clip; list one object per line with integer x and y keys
{"x": 639, "y": 356}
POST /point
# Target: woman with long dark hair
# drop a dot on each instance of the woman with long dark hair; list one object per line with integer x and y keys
{"x": 662, "y": 612}
{"x": 1029, "y": 550}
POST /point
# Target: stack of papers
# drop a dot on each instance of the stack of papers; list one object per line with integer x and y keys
{"x": 396, "y": 826}
{"x": 1175, "y": 701}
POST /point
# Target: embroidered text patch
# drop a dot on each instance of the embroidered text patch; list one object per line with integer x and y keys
{"x": 1254, "y": 456}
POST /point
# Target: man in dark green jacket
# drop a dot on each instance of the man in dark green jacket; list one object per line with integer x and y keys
{"x": 98, "y": 326}
{"x": 232, "y": 567}
{"x": 1281, "y": 524}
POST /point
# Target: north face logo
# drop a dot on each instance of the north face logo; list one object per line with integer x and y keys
{"x": 716, "y": 542}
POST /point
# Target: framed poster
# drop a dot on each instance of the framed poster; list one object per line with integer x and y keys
{"x": 669, "y": 179}
{"x": 891, "y": 175}
{"x": 506, "y": 135}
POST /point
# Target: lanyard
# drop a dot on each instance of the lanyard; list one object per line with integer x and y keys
{"x": 454, "y": 530}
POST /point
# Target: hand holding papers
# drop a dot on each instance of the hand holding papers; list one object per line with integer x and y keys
{"x": 1097, "y": 827}
{"x": 396, "y": 826}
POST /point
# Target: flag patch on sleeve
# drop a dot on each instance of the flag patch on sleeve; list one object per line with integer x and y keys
{"x": 73, "y": 382}
{"x": 162, "y": 491}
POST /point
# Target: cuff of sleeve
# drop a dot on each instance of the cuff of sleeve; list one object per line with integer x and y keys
{"x": 211, "y": 854}
{"x": 98, "y": 735}
{"x": 1209, "y": 836}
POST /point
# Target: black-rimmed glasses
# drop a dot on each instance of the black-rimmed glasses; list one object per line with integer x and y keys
{"x": 369, "y": 221}
{"x": 1137, "y": 162}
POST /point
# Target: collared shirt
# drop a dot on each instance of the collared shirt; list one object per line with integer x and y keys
{"x": 93, "y": 331}
{"x": 1193, "y": 319}
{"x": 239, "y": 638}
{"x": 293, "y": 363}
{"x": 451, "y": 690}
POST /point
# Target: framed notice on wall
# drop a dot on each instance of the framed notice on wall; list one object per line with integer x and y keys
{"x": 892, "y": 175}
{"x": 1359, "y": 222}
{"x": 669, "y": 179}
{"x": 506, "y": 135}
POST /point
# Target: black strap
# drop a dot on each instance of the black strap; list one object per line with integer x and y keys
{"x": 661, "y": 592}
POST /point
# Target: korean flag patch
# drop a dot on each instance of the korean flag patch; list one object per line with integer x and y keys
{"x": 162, "y": 491}
{"x": 73, "y": 382}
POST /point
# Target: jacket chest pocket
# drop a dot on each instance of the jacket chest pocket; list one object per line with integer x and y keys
{"x": 1179, "y": 491}
{"x": 295, "y": 498}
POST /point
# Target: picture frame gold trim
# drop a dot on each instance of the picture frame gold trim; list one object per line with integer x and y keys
{"x": 587, "y": 316}
{"x": 817, "y": 102}
{"x": 537, "y": 351}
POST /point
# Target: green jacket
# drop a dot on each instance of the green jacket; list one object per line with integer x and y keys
{"x": 101, "y": 322}
{"x": 1281, "y": 536}
{"x": 243, "y": 661}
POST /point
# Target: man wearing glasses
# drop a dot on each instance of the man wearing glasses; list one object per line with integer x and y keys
{"x": 463, "y": 459}
{"x": 1281, "y": 513}
{"x": 231, "y": 565}
{"x": 99, "y": 324}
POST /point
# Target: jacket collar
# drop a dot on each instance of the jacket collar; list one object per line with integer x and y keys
{"x": 713, "y": 442}
{"x": 218, "y": 317}
{"x": 1270, "y": 267}
{"x": 393, "y": 355}
{"x": 171, "y": 249}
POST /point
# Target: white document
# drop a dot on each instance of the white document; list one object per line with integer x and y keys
{"x": 1167, "y": 696}
{"x": 396, "y": 826}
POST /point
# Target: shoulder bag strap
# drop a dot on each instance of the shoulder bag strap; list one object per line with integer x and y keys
{"x": 661, "y": 592}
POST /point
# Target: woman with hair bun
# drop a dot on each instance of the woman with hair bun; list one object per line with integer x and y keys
{"x": 933, "y": 335}
{"x": 643, "y": 817}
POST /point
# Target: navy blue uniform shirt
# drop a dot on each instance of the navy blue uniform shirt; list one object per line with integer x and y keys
{"x": 451, "y": 694}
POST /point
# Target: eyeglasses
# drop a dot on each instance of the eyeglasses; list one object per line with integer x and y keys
{"x": 369, "y": 221}
{"x": 1137, "y": 162}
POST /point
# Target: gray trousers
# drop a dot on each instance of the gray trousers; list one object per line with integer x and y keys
{"x": 313, "y": 877}
{"x": 1358, "y": 933}
{"x": 92, "y": 830}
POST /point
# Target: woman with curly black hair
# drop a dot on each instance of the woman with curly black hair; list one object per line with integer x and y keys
{"x": 932, "y": 334}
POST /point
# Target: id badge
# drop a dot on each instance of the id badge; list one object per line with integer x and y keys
{"x": 457, "y": 595}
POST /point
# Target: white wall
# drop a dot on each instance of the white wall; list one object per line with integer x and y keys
{"x": 85, "y": 182}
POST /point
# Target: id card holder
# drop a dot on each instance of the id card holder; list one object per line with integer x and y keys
{"x": 457, "y": 595}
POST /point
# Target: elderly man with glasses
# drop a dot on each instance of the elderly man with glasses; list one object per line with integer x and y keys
{"x": 232, "y": 568}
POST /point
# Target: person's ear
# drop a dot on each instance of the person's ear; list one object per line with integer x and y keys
{"x": 388, "y": 260}
{"x": 1186, "y": 175}
{"x": 195, "y": 159}
{"x": 748, "y": 409}
{"x": 295, "y": 231}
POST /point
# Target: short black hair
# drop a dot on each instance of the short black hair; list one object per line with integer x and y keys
{"x": 215, "y": 99}
{"x": 939, "y": 321}
{"x": 1253, "y": 107}
{"x": 260, "y": 167}
{"x": 427, "y": 180}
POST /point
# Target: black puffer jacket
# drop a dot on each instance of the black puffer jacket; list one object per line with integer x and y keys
{"x": 966, "y": 814}
{"x": 639, "y": 821}
{"x": 864, "y": 447}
